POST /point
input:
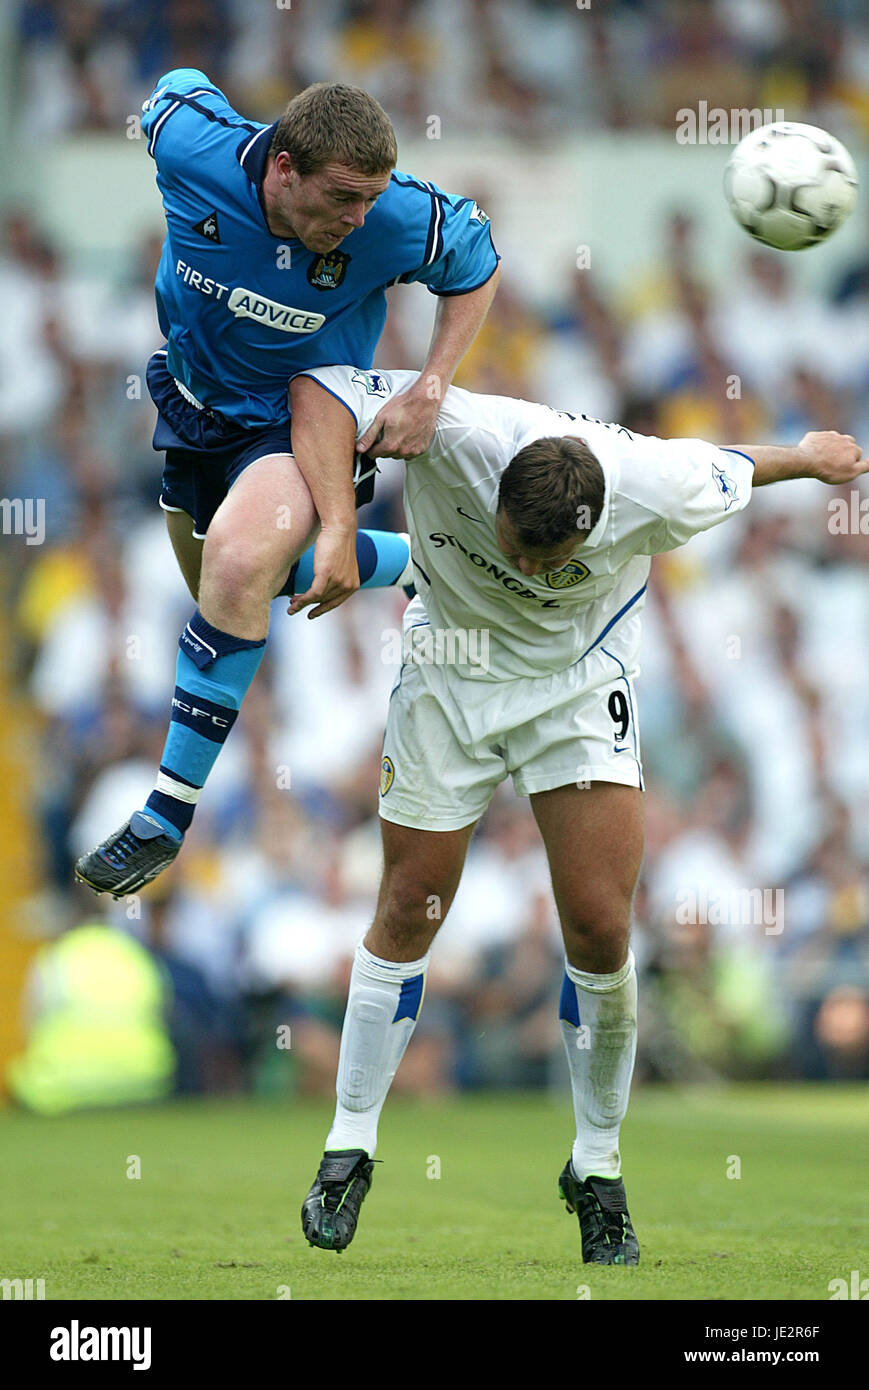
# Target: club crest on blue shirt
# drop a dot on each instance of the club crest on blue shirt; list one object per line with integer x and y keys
{"x": 565, "y": 578}
{"x": 374, "y": 383}
{"x": 327, "y": 272}
{"x": 726, "y": 486}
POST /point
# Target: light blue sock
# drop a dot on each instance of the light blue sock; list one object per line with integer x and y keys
{"x": 383, "y": 558}
{"x": 213, "y": 673}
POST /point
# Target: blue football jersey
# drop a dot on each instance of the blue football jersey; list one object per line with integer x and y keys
{"x": 243, "y": 310}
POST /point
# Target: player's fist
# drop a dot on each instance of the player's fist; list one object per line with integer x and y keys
{"x": 832, "y": 458}
{"x": 336, "y": 573}
{"x": 403, "y": 429}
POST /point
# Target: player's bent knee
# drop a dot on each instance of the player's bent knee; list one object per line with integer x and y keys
{"x": 232, "y": 566}
{"x": 409, "y": 916}
{"x": 600, "y": 933}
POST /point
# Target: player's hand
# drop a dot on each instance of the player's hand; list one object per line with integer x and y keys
{"x": 336, "y": 573}
{"x": 833, "y": 458}
{"x": 403, "y": 428}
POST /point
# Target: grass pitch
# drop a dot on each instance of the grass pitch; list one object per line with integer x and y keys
{"x": 215, "y": 1211}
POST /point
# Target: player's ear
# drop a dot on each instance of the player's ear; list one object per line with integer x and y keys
{"x": 284, "y": 166}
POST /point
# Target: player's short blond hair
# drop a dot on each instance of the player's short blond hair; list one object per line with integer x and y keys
{"x": 551, "y": 490}
{"x": 329, "y": 123}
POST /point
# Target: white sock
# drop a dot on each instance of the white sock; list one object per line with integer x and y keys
{"x": 382, "y": 1008}
{"x": 598, "y": 1015}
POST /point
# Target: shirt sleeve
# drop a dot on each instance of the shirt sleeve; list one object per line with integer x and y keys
{"x": 184, "y": 106}
{"x": 690, "y": 486}
{"x": 459, "y": 254}
{"x": 362, "y": 393}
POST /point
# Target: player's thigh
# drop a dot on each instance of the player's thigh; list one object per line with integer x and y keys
{"x": 594, "y": 843}
{"x": 264, "y": 523}
{"x": 421, "y": 873}
{"x": 187, "y": 548}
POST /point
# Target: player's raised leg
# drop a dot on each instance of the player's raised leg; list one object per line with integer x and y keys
{"x": 422, "y": 869}
{"x": 382, "y": 557}
{"x": 261, "y": 527}
{"x": 594, "y": 843}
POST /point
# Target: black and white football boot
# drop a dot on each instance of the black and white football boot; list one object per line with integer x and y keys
{"x": 331, "y": 1209}
{"x": 608, "y": 1238}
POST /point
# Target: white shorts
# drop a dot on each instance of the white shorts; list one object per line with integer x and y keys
{"x": 450, "y": 740}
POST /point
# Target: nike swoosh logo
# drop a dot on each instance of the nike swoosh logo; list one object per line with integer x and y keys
{"x": 469, "y": 517}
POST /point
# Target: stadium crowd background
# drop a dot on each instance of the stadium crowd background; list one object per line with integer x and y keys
{"x": 754, "y": 697}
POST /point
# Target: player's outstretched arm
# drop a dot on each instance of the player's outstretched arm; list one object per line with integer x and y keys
{"x": 405, "y": 426}
{"x": 823, "y": 454}
{"x": 324, "y": 435}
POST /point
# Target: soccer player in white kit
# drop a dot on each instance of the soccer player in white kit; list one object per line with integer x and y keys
{"x": 531, "y": 535}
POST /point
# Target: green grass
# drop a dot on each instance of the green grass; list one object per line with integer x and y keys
{"x": 214, "y": 1214}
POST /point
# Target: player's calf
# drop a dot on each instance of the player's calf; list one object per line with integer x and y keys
{"x": 421, "y": 873}
{"x": 386, "y": 991}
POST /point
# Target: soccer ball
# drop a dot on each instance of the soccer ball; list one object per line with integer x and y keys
{"x": 790, "y": 185}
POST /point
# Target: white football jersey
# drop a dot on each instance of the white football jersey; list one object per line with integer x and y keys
{"x": 658, "y": 493}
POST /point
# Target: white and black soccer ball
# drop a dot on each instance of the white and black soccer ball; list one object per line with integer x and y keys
{"x": 790, "y": 185}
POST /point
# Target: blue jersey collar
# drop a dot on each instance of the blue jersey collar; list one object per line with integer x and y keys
{"x": 252, "y": 154}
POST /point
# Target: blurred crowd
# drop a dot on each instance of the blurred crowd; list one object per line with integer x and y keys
{"x": 752, "y": 915}
{"x": 526, "y": 68}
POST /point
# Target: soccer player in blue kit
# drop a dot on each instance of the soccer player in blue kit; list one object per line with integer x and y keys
{"x": 281, "y": 241}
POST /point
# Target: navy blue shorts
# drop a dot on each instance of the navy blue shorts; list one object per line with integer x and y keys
{"x": 206, "y": 452}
